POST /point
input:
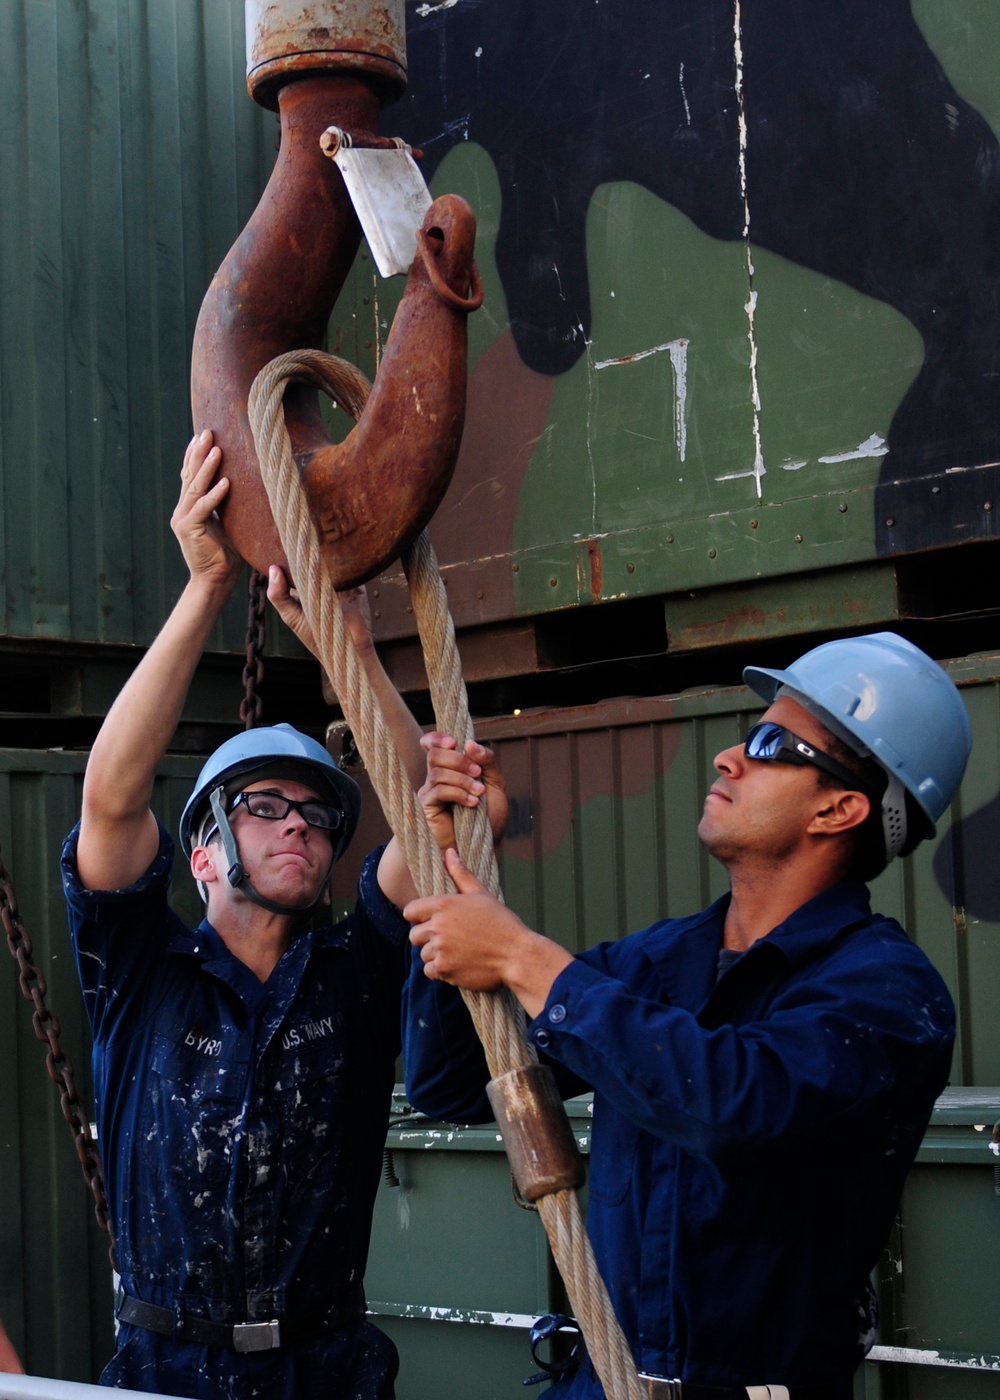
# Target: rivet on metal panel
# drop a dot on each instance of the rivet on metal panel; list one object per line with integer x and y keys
{"x": 843, "y": 507}
{"x": 754, "y": 524}
{"x": 935, "y": 490}
{"x": 798, "y": 539}
{"x": 553, "y": 582}
{"x": 988, "y": 506}
{"x": 670, "y": 539}
{"x": 630, "y": 568}
{"x": 889, "y": 523}
{"x": 515, "y": 568}
{"x": 712, "y": 553}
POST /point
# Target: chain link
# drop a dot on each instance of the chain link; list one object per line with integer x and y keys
{"x": 252, "y": 707}
{"x": 47, "y": 1029}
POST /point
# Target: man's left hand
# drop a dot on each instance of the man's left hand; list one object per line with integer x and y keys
{"x": 471, "y": 940}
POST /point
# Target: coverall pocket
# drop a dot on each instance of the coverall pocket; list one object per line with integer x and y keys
{"x": 194, "y": 1108}
{"x": 612, "y": 1156}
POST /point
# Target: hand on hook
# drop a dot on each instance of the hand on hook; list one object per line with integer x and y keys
{"x": 208, "y": 552}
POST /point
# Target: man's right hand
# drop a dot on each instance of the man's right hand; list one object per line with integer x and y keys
{"x": 118, "y": 833}
{"x": 207, "y": 551}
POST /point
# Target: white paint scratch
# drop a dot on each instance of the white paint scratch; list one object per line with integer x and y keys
{"x": 424, "y": 10}
{"x": 678, "y": 351}
{"x": 403, "y": 1208}
{"x": 794, "y": 466}
{"x": 687, "y": 109}
{"x": 678, "y": 363}
{"x": 874, "y": 446}
{"x": 751, "y": 303}
{"x": 915, "y": 1356}
{"x": 737, "y": 476}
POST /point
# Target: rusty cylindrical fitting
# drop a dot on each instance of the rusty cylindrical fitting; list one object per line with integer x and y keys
{"x": 540, "y": 1145}
{"x": 288, "y": 39}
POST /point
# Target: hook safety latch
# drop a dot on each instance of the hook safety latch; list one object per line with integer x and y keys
{"x": 389, "y": 195}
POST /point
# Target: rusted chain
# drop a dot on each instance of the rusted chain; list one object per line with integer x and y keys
{"x": 493, "y": 1014}
{"x": 251, "y": 706}
{"x": 45, "y": 1022}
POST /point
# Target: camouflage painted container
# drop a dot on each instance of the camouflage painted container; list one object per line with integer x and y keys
{"x": 741, "y": 274}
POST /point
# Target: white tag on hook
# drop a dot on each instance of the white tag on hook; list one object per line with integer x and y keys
{"x": 390, "y": 198}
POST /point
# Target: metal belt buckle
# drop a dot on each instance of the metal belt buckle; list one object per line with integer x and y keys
{"x": 661, "y": 1387}
{"x": 257, "y": 1336}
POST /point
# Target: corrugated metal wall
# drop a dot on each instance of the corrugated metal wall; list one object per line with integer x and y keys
{"x": 131, "y": 158}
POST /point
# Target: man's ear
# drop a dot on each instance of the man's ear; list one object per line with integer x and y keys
{"x": 839, "y": 812}
{"x": 203, "y": 865}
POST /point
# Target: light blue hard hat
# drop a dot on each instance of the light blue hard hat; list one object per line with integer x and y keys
{"x": 884, "y": 697}
{"x": 280, "y": 751}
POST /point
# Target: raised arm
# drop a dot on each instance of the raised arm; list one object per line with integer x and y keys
{"x": 118, "y": 836}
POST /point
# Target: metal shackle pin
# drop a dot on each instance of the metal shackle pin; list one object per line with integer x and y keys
{"x": 542, "y": 1150}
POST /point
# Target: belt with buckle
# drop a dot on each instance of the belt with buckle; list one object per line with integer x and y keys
{"x": 242, "y": 1336}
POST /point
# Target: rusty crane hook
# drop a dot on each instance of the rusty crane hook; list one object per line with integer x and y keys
{"x": 371, "y": 494}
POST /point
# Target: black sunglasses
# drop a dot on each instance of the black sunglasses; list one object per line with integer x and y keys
{"x": 272, "y": 807}
{"x": 771, "y": 743}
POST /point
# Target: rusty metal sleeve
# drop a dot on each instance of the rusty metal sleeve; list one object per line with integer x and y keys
{"x": 540, "y": 1144}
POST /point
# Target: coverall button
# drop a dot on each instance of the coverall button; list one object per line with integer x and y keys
{"x": 542, "y": 1038}
{"x": 557, "y": 1013}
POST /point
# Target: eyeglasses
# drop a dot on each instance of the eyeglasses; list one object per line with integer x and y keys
{"x": 272, "y": 807}
{"x": 771, "y": 743}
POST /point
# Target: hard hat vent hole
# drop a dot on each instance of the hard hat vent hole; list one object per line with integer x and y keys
{"x": 437, "y": 234}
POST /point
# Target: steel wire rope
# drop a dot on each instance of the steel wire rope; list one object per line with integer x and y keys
{"x": 497, "y": 1018}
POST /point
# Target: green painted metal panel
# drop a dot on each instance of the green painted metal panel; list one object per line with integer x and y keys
{"x": 133, "y": 156}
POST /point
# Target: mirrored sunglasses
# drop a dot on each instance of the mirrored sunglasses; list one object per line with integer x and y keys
{"x": 771, "y": 743}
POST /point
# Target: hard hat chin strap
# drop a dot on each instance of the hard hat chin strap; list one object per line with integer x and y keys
{"x": 237, "y": 876}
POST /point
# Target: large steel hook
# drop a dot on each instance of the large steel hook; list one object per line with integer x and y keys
{"x": 276, "y": 288}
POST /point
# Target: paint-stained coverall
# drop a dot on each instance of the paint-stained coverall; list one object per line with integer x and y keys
{"x": 751, "y": 1134}
{"x": 241, "y": 1125}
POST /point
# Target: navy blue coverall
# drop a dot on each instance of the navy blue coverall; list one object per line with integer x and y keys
{"x": 241, "y": 1125}
{"x": 751, "y": 1134}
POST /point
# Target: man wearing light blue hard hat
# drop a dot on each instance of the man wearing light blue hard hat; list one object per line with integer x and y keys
{"x": 244, "y": 1069}
{"x": 763, "y": 1071}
